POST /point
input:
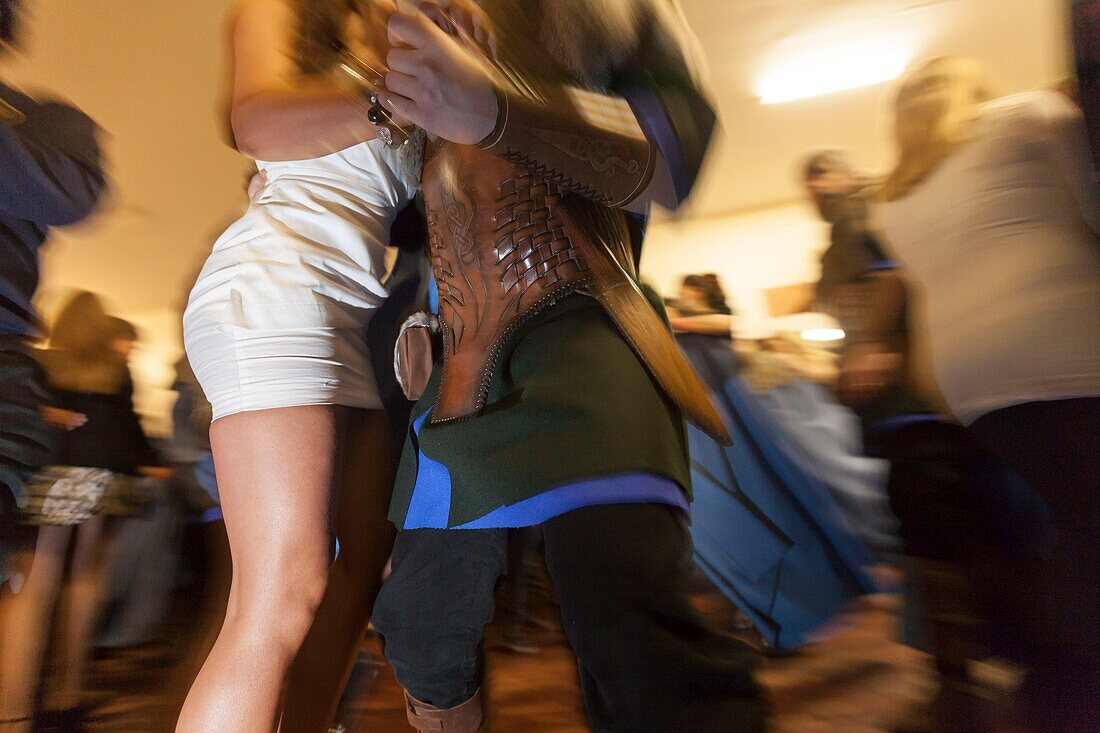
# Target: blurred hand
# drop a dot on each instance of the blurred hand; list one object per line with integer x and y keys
{"x": 256, "y": 185}
{"x": 365, "y": 35}
{"x": 160, "y": 473}
{"x": 465, "y": 19}
{"x": 866, "y": 371}
{"x": 437, "y": 82}
{"x": 64, "y": 419}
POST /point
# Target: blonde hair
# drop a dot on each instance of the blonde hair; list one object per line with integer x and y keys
{"x": 935, "y": 111}
{"x": 82, "y": 356}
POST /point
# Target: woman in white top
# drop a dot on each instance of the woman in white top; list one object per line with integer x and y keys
{"x": 275, "y": 331}
{"x": 994, "y": 210}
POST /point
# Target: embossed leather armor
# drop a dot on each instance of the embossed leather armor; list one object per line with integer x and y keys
{"x": 499, "y": 252}
{"x": 530, "y": 216}
{"x": 606, "y": 162}
{"x": 506, "y": 243}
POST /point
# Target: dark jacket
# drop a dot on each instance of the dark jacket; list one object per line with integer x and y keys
{"x": 112, "y": 438}
{"x": 50, "y": 175}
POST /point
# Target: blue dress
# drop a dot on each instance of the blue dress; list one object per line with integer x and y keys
{"x": 767, "y": 532}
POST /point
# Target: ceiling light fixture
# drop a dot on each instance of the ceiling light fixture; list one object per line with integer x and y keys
{"x": 824, "y": 66}
{"x": 823, "y": 334}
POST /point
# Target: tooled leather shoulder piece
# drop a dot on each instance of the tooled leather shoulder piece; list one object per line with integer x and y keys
{"x": 501, "y": 254}
{"x": 610, "y": 163}
{"x": 607, "y": 159}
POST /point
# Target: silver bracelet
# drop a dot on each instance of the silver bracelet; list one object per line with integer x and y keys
{"x": 368, "y": 81}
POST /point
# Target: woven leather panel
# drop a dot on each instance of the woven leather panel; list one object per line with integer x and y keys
{"x": 532, "y": 244}
{"x": 500, "y": 252}
{"x": 505, "y": 245}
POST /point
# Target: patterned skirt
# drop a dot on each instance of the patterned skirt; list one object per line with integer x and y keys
{"x": 68, "y": 495}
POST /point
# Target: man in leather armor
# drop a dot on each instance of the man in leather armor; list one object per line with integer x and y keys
{"x": 560, "y": 398}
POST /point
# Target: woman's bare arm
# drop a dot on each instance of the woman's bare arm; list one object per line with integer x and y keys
{"x": 277, "y": 113}
{"x": 714, "y": 324}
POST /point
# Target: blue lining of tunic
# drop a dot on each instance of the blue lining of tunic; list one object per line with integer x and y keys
{"x": 430, "y": 507}
{"x": 880, "y": 265}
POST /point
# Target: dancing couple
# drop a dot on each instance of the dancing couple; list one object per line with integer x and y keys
{"x": 532, "y": 128}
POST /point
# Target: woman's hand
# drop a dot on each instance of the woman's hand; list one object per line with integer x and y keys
{"x": 256, "y": 185}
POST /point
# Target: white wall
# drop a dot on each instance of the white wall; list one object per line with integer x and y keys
{"x": 751, "y": 253}
{"x": 1023, "y": 42}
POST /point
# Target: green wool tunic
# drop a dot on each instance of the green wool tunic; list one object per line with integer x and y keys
{"x": 569, "y": 401}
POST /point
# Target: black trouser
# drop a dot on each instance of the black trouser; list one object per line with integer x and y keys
{"x": 648, "y": 662}
{"x": 955, "y": 500}
{"x": 1055, "y": 447}
{"x": 959, "y": 504}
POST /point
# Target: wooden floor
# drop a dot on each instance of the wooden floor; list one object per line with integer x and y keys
{"x": 857, "y": 681}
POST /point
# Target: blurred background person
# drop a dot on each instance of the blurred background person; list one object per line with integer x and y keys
{"x": 935, "y": 473}
{"x": 860, "y": 288}
{"x": 768, "y": 527}
{"x": 100, "y": 446}
{"x": 50, "y": 175}
{"x": 993, "y": 208}
{"x": 840, "y": 195}
{"x": 701, "y": 307}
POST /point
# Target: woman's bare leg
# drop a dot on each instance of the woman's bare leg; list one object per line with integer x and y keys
{"x": 322, "y": 667}
{"x": 26, "y": 625}
{"x": 81, "y": 605}
{"x": 275, "y": 476}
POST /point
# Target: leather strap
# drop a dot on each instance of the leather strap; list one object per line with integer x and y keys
{"x": 615, "y": 286}
{"x": 580, "y": 142}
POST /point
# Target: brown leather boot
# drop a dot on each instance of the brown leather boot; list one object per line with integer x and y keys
{"x": 469, "y": 717}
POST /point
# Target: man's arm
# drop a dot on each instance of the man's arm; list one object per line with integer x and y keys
{"x": 643, "y": 143}
{"x": 50, "y": 169}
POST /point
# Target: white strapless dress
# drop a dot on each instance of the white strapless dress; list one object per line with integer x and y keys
{"x": 278, "y": 315}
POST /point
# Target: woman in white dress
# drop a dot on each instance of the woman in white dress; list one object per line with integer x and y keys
{"x": 275, "y": 330}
